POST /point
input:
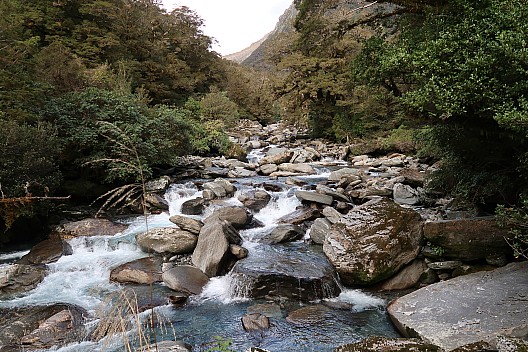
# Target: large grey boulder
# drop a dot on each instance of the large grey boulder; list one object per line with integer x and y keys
{"x": 268, "y": 169}
{"x": 186, "y": 223}
{"x": 337, "y": 175}
{"x": 219, "y": 188}
{"x": 240, "y": 172}
{"x": 279, "y": 158}
{"x": 193, "y": 206}
{"x": 299, "y": 216}
{"x": 185, "y": 278}
{"x": 467, "y": 239}
{"x": 297, "y": 168}
{"x": 167, "y": 240}
{"x": 373, "y": 241}
{"x": 90, "y": 227}
{"x": 236, "y": 216}
{"x": 47, "y": 251}
{"x": 404, "y": 194}
{"x": 313, "y": 197}
{"x": 143, "y": 271}
{"x": 320, "y": 228}
{"x": 408, "y": 277}
{"x": 284, "y": 233}
{"x": 255, "y": 199}
{"x": 212, "y": 255}
{"x": 306, "y": 155}
{"x": 467, "y": 309}
{"x": 16, "y": 279}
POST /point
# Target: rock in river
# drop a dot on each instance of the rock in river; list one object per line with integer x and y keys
{"x": 467, "y": 309}
{"x": 167, "y": 240}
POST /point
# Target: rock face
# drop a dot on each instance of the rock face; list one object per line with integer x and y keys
{"x": 373, "y": 241}
{"x": 142, "y": 271}
{"x": 167, "y": 240}
{"x": 301, "y": 276}
{"x": 186, "y": 279}
{"x": 16, "y": 279}
{"x": 467, "y": 309}
{"x": 467, "y": 239}
{"x": 90, "y": 227}
{"x": 47, "y": 251}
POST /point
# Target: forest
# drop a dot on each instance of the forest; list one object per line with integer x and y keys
{"x": 445, "y": 80}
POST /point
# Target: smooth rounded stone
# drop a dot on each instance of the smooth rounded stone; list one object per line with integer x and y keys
{"x": 16, "y": 279}
{"x": 313, "y": 197}
{"x": 404, "y": 194}
{"x": 297, "y": 168}
{"x": 255, "y": 322}
{"x": 447, "y": 265}
{"x": 168, "y": 346}
{"x": 238, "y": 217}
{"x": 142, "y": 271}
{"x": 156, "y": 201}
{"x": 212, "y": 253}
{"x": 193, "y": 206}
{"x": 158, "y": 185}
{"x": 187, "y": 279}
{"x": 167, "y": 240}
{"x": 268, "y": 309}
{"x": 373, "y": 242}
{"x": 408, "y": 277}
{"x": 277, "y": 159}
{"x": 268, "y": 169}
{"x": 332, "y": 215}
{"x": 468, "y": 239}
{"x": 284, "y": 233}
{"x": 238, "y": 251}
{"x": 221, "y": 188}
{"x": 255, "y": 199}
{"x": 240, "y": 172}
{"x": 378, "y": 343}
{"x": 337, "y": 175}
{"x": 466, "y": 309}
{"x": 47, "y": 251}
{"x": 37, "y": 327}
{"x": 320, "y": 228}
{"x": 186, "y": 223}
{"x": 90, "y": 227}
{"x": 301, "y": 276}
{"x": 299, "y": 216}
{"x": 309, "y": 315}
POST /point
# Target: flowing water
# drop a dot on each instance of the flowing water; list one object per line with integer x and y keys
{"x": 83, "y": 279}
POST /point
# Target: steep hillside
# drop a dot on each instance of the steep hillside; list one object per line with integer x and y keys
{"x": 242, "y": 55}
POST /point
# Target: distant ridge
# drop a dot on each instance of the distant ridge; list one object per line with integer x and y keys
{"x": 245, "y": 53}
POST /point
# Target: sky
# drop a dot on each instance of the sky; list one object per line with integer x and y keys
{"x": 236, "y": 24}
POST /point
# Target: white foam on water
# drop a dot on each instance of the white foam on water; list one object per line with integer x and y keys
{"x": 225, "y": 289}
{"x": 359, "y": 300}
{"x": 12, "y": 255}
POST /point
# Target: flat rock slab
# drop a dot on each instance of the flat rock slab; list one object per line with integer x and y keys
{"x": 466, "y": 309}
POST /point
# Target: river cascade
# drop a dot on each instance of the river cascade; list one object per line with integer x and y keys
{"x": 282, "y": 283}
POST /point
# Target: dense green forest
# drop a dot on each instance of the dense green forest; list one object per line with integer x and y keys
{"x": 447, "y": 80}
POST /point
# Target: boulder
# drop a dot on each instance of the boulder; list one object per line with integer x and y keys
{"x": 284, "y": 233}
{"x": 309, "y": 314}
{"x": 158, "y": 185}
{"x": 187, "y": 279}
{"x": 268, "y": 169}
{"x": 404, "y": 194}
{"x": 90, "y": 227}
{"x": 300, "y": 276}
{"x": 297, "y": 168}
{"x": 156, "y": 201}
{"x": 330, "y": 192}
{"x": 255, "y": 322}
{"x": 408, "y": 277}
{"x": 332, "y": 215}
{"x": 47, "y": 251}
{"x": 193, "y": 206}
{"x": 219, "y": 188}
{"x": 313, "y": 197}
{"x": 167, "y": 240}
{"x": 238, "y": 217}
{"x": 306, "y": 155}
{"x": 320, "y": 228}
{"x": 186, "y": 223}
{"x": 467, "y": 239}
{"x": 467, "y": 309}
{"x": 143, "y": 271}
{"x": 279, "y": 158}
{"x": 337, "y": 175}
{"x": 377, "y": 344}
{"x": 167, "y": 346}
{"x": 271, "y": 310}
{"x": 215, "y": 172}
{"x": 240, "y": 172}
{"x": 41, "y": 328}
{"x": 238, "y": 251}
{"x": 373, "y": 241}
{"x": 212, "y": 253}
{"x": 16, "y": 279}
{"x": 255, "y": 199}
{"x": 299, "y": 216}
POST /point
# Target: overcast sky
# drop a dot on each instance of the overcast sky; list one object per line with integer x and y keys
{"x": 235, "y": 24}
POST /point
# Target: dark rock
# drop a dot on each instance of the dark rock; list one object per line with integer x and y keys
{"x": 90, "y": 227}
{"x": 312, "y": 197}
{"x": 384, "y": 344}
{"x": 373, "y": 241}
{"x": 47, "y": 251}
{"x": 142, "y": 271}
{"x": 16, "y": 279}
{"x": 167, "y": 240}
{"x": 467, "y": 309}
{"x": 193, "y": 206}
{"x": 255, "y": 199}
{"x": 447, "y": 265}
{"x": 271, "y": 187}
{"x": 255, "y": 322}
{"x": 468, "y": 239}
{"x": 238, "y": 217}
{"x": 187, "y": 223}
{"x": 284, "y": 233}
{"x": 178, "y": 300}
{"x": 187, "y": 279}
{"x": 480, "y": 346}
{"x": 300, "y": 216}
{"x": 408, "y": 277}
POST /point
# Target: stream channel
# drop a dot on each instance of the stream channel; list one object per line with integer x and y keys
{"x": 83, "y": 279}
